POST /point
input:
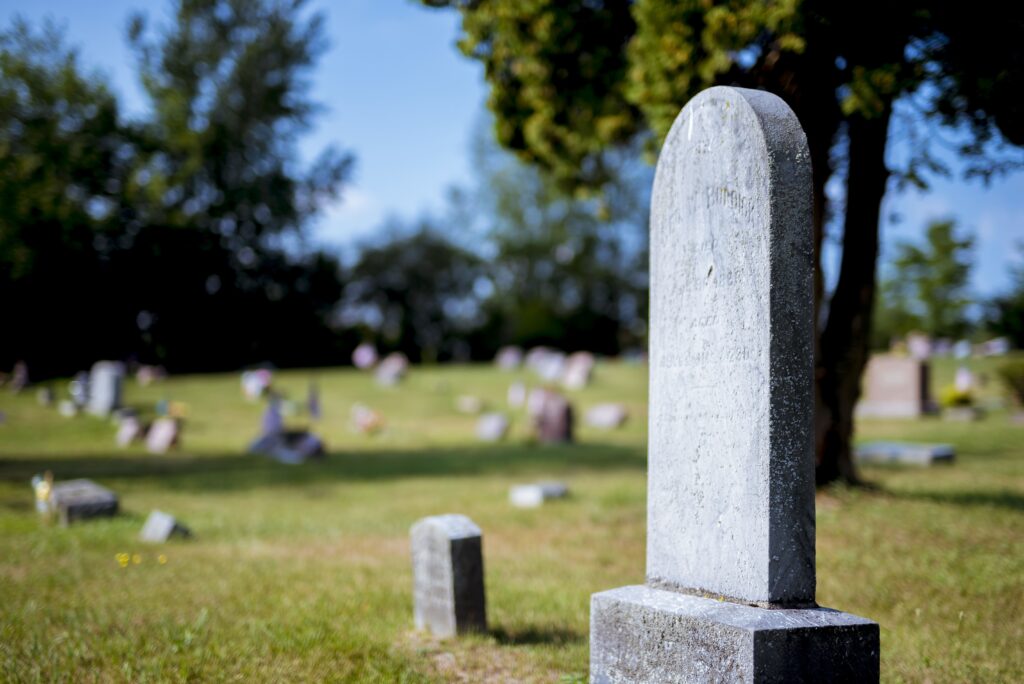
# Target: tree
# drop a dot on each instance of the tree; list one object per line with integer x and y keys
{"x": 572, "y": 78}
{"x": 64, "y": 160}
{"x": 416, "y": 292}
{"x": 228, "y": 84}
{"x": 928, "y": 287}
{"x": 1005, "y": 314}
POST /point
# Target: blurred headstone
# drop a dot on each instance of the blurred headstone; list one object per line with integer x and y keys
{"x": 163, "y": 434}
{"x": 160, "y": 526}
{"x": 365, "y": 420}
{"x": 466, "y": 403}
{"x": 578, "y": 369}
{"x": 364, "y": 356}
{"x": 534, "y": 495}
{"x": 147, "y": 375}
{"x": 962, "y": 349}
{"x": 492, "y": 427}
{"x": 256, "y": 383}
{"x": 290, "y": 446}
{"x": 606, "y": 416}
{"x": 105, "y": 382}
{"x": 392, "y": 369}
{"x": 894, "y": 387}
{"x": 1000, "y": 346}
{"x": 964, "y": 381}
{"x": 272, "y": 421}
{"x": 75, "y": 500}
{"x": 45, "y": 396}
{"x": 79, "y": 389}
{"x": 942, "y": 347}
{"x": 509, "y": 358}
{"x": 19, "y": 377}
{"x": 313, "y": 401}
{"x": 552, "y": 416}
{"x": 919, "y": 346}
{"x": 516, "y": 395}
{"x": 448, "y": 575}
{"x": 67, "y": 408}
{"x": 129, "y": 430}
{"x": 904, "y": 453}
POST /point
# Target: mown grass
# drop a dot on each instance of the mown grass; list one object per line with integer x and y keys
{"x": 302, "y": 573}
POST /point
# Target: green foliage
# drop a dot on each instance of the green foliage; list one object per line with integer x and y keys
{"x": 953, "y": 397}
{"x": 1012, "y": 375}
{"x": 927, "y": 289}
{"x": 1005, "y": 313}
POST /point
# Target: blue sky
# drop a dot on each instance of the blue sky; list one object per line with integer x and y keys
{"x": 400, "y": 96}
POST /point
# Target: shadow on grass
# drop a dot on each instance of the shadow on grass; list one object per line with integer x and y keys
{"x": 530, "y": 636}
{"x": 997, "y": 498}
{"x": 238, "y": 472}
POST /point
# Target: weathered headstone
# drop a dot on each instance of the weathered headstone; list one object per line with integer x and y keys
{"x": 392, "y": 369}
{"x": 129, "y": 430}
{"x": 272, "y": 422}
{"x": 163, "y": 434}
{"x": 105, "y": 382}
{"x": 288, "y": 446}
{"x": 606, "y": 416}
{"x": 448, "y": 575}
{"x": 364, "y": 356}
{"x": 534, "y": 495}
{"x": 893, "y": 387}
{"x": 552, "y": 416}
{"x": 905, "y": 453}
{"x": 509, "y": 358}
{"x": 256, "y": 383}
{"x": 75, "y": 500}
{"x": 492, "y": 427}
{"x": 579, "y": 367}
{"x": 730, "y": 592}
{"x": 46, "y": 396}
{"x": 516, "y": 395}
{"x": 160, "y": 526}
{"x": 19, "y": 377}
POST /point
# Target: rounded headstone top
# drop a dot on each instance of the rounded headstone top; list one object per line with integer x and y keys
{"x": 452, "y": 525}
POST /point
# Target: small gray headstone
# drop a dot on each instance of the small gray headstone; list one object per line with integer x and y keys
{"x": 894, "y": 387}
{"x": 534, "y": 495}
{"x": 578, "y": 369}
{"x": 516, "y": 395}
{"x": 67, "y": 408}
{"x": 392, "y": 369}
{"x": 163, "y": 434}
{"x": 492, "y": 427}
{"x": 75, "y": 500}
{"x": 606, "y": 416}
{"x": 448, "y": 575}
{"x": 290, "y": 446}
{"x": 509, "y": 358}
{"x": 105, "y": 382}
{"x": 130, "y": 430}
{"x": 160, "y": 526}
{"x": 552, "y": 416}
{"x": 905, "y": 453}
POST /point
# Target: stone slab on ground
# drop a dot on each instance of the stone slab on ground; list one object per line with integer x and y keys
{"x": 905, "y": 452}
{"x": 76, "y": 500}
{"x": 160, "y": 527}
{"x": 645, "y": 635}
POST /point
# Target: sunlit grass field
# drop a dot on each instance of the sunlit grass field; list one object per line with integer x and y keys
{"x": 302, "y": 573}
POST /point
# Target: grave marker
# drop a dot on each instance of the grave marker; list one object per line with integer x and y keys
{"x": 448, "y": 575}
{"x": 105, "y": 381}
{"x": 730, "y": 592}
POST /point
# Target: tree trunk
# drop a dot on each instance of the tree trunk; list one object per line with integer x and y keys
{"x": 845, "y": 339}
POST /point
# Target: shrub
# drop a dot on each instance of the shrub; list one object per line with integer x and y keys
{"x": 1012, "y": 375}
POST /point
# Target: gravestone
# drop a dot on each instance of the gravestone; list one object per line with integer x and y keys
{"x": 160, "y": 526}
{"x": 579, "y": 367}
{"x": 313, "y": 401}
{"x": 516, "y": 395}
{"x": 272, "y": 422}
{"x": 893, "y": 387}
{"x": 509, "y": 358}
{"x": 163, "y": 434}
{"x": 448, "y": 575}
{"x": 534, "y": 495}
{"x": 392, "y": 369}
{"x": 492, "y": 427}
{"x": 730, "y": 590}
{"x": 291, "y": 447}
{"x": 552, "y": 416}
{"x": 606, "y": 416}
{"x": 75, "y": 500}
{"x": 129, "y": 430}
{"x": 105, "y": 381}
{"x": 905, "y": 453}
{"x": 364, "y": 356}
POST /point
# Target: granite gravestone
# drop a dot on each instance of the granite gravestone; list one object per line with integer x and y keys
{"x": 105, "y": 381}
{"x": 893, "y": 387}
{"x": 448, "y": 575}
{"x": 75, "y": 500}
{"x": 730, "y": 592}
{"x": 160, "y": 526}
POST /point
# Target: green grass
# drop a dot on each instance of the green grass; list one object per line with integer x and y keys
{"x": 302, "y": 573}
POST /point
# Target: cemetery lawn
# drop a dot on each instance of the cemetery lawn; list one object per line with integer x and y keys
{"x": 302, "y": 573}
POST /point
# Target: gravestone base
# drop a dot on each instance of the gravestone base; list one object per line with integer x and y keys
{"x": 642, "y": 634}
